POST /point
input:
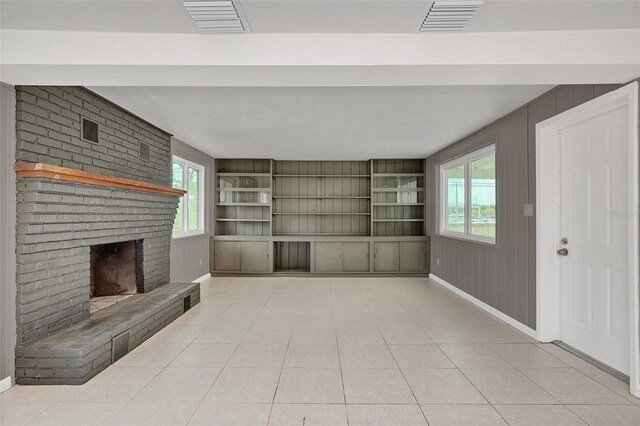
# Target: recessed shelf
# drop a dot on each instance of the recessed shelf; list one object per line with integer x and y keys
{"x": 328, "y": 234}
{"x": 243, "y": 205}
{"x": 324, "y": 197}
{"x": 397, "y": 204}
{"x": 244, "y": 174}
{"x": 397, "y": 174}
{"x": 243, "y": 189}
{"x": 321, "y": 176}
{"x": 241, "y": 220}
{"x": 321, "y": 214}
{"x": 398, "y": 189}
{"x": 398, "y": 220}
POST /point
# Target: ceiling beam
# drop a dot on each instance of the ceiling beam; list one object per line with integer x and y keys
{"x": 133, "y": 59}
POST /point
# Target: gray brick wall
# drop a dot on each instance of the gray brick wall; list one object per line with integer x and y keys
{"x": 58, "y": 221}
{"x": 48, "y": 123}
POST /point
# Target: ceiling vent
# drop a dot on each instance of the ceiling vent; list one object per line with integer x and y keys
{"x": 450, "y": 15}
{"x": 215, "y": 16}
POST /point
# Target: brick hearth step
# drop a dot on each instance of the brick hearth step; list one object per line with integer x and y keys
{"x": 75, "y": 354}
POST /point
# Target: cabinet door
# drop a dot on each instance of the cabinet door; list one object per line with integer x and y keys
{"x": 328, "y": 257}
{"x": 413, "y": 256}
{"x": 255, "y": 256}
{"x": 387, "y": 256}
{"x": 355, "y": 257}
{"x": 227, "y": 256}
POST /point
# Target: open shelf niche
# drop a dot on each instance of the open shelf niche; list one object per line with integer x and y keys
{"x": 397, "y": 188}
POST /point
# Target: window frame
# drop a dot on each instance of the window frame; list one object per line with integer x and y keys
{"x": 186, "y": 164}
{"x": 465, "y": 161}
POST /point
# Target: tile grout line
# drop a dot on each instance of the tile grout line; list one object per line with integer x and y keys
{"x": 384, "y": 339}
{"x": 275, "y": 392}
{"x": 221, "y": 370}
{"x": 335, "y": 328}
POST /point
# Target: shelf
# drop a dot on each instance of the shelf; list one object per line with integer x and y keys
{"x": 319, "y": 234}
{"x": 323, "y": 214}
{"x": 243, "y": 189}
{"x": 322, "y": 176}
{"x": 398, "y": 220}
{"x": 397, "y": 204}
{"x": 311, "y": 197}
{"x": 244, "y": 174}
{"x": 398, "y": 189}
{"x": 420, "y": 174}
{"x": 243, "y": 205}
{"x": 242, "y": 220}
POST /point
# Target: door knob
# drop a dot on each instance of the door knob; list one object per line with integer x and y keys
{"x": 563, "y": 252}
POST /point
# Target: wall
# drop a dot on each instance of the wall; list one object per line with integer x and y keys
{"x": 7, "y": 232}
{"x": 48, "y": 131}
{"x": 58, "y": 221}
{"x": 190, "y": 255}
{"x": 502, "y": 276}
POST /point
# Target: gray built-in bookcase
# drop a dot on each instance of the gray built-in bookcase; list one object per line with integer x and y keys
{"x": 319, "y": 217}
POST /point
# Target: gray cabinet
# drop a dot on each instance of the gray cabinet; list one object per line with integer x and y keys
{"x": 413, "y": 256}
{"x": 341, "y": 257}
{"x": 387, "y": 256}
{"x": 355, "y": 256}
{"x": 327, "y": 257}
{"x": 241, "y": 256}
{"x": 254, "y": 256}
{"x": 227, "y": 256}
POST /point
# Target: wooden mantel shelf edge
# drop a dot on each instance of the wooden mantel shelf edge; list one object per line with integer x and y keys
{"x": 48, "y": 171}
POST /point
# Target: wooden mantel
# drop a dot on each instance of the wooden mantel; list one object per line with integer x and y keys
{"x": 47, "y": 171}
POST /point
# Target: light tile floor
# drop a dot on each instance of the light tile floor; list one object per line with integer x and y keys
{"x": 333, "y": 351}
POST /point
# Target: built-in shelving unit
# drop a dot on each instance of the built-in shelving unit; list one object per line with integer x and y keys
{"x": 243, "y": 197}
{"x": 319, "y": 217}
{"x": 397, "y": 197}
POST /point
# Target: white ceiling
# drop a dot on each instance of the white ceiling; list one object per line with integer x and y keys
{"x": 316, "y": 16}
{"x": 321, "y": 123}
{"x": 403, "y": 94}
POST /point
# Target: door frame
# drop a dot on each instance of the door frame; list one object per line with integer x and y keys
{"x": 548, "y": 215}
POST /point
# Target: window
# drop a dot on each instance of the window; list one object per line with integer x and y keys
{"x": 190, "y": 215}
{"x": 468, "y": 196}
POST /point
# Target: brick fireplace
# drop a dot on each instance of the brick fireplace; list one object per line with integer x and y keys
{"x": 94, "y": 219}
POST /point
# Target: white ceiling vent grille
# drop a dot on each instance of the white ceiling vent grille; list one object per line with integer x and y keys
{"x": 450, "y": 15}
{"x": 214, "y": 16}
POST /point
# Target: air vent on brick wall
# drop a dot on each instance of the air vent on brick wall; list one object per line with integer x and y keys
{"x": 214, "y": 16}
{"x": 89, "y": 131}
{"x": 144, "y": 151}
{"x": 450, "y": 15}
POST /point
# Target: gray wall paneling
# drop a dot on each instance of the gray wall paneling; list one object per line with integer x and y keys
{"x": 7, "y": 231}
{"x": 190, "y": 256}
{"x": 503, "y": 276}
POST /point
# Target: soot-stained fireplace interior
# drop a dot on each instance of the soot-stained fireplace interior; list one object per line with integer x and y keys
{"x": 116, "y": 269}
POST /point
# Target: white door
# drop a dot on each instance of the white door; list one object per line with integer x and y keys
{"x": 595, "y": 222}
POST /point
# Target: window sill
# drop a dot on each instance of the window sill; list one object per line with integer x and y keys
{"x": 188, "y": 235}
{"x": 469, "y": 240}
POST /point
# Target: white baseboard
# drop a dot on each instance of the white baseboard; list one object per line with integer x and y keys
{"x": 489, "y": 309}
{"x": 5, "y": 384}
{"x": 202, "y": 278}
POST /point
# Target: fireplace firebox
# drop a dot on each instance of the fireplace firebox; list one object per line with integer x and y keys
{"x": 116, "y": 269}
